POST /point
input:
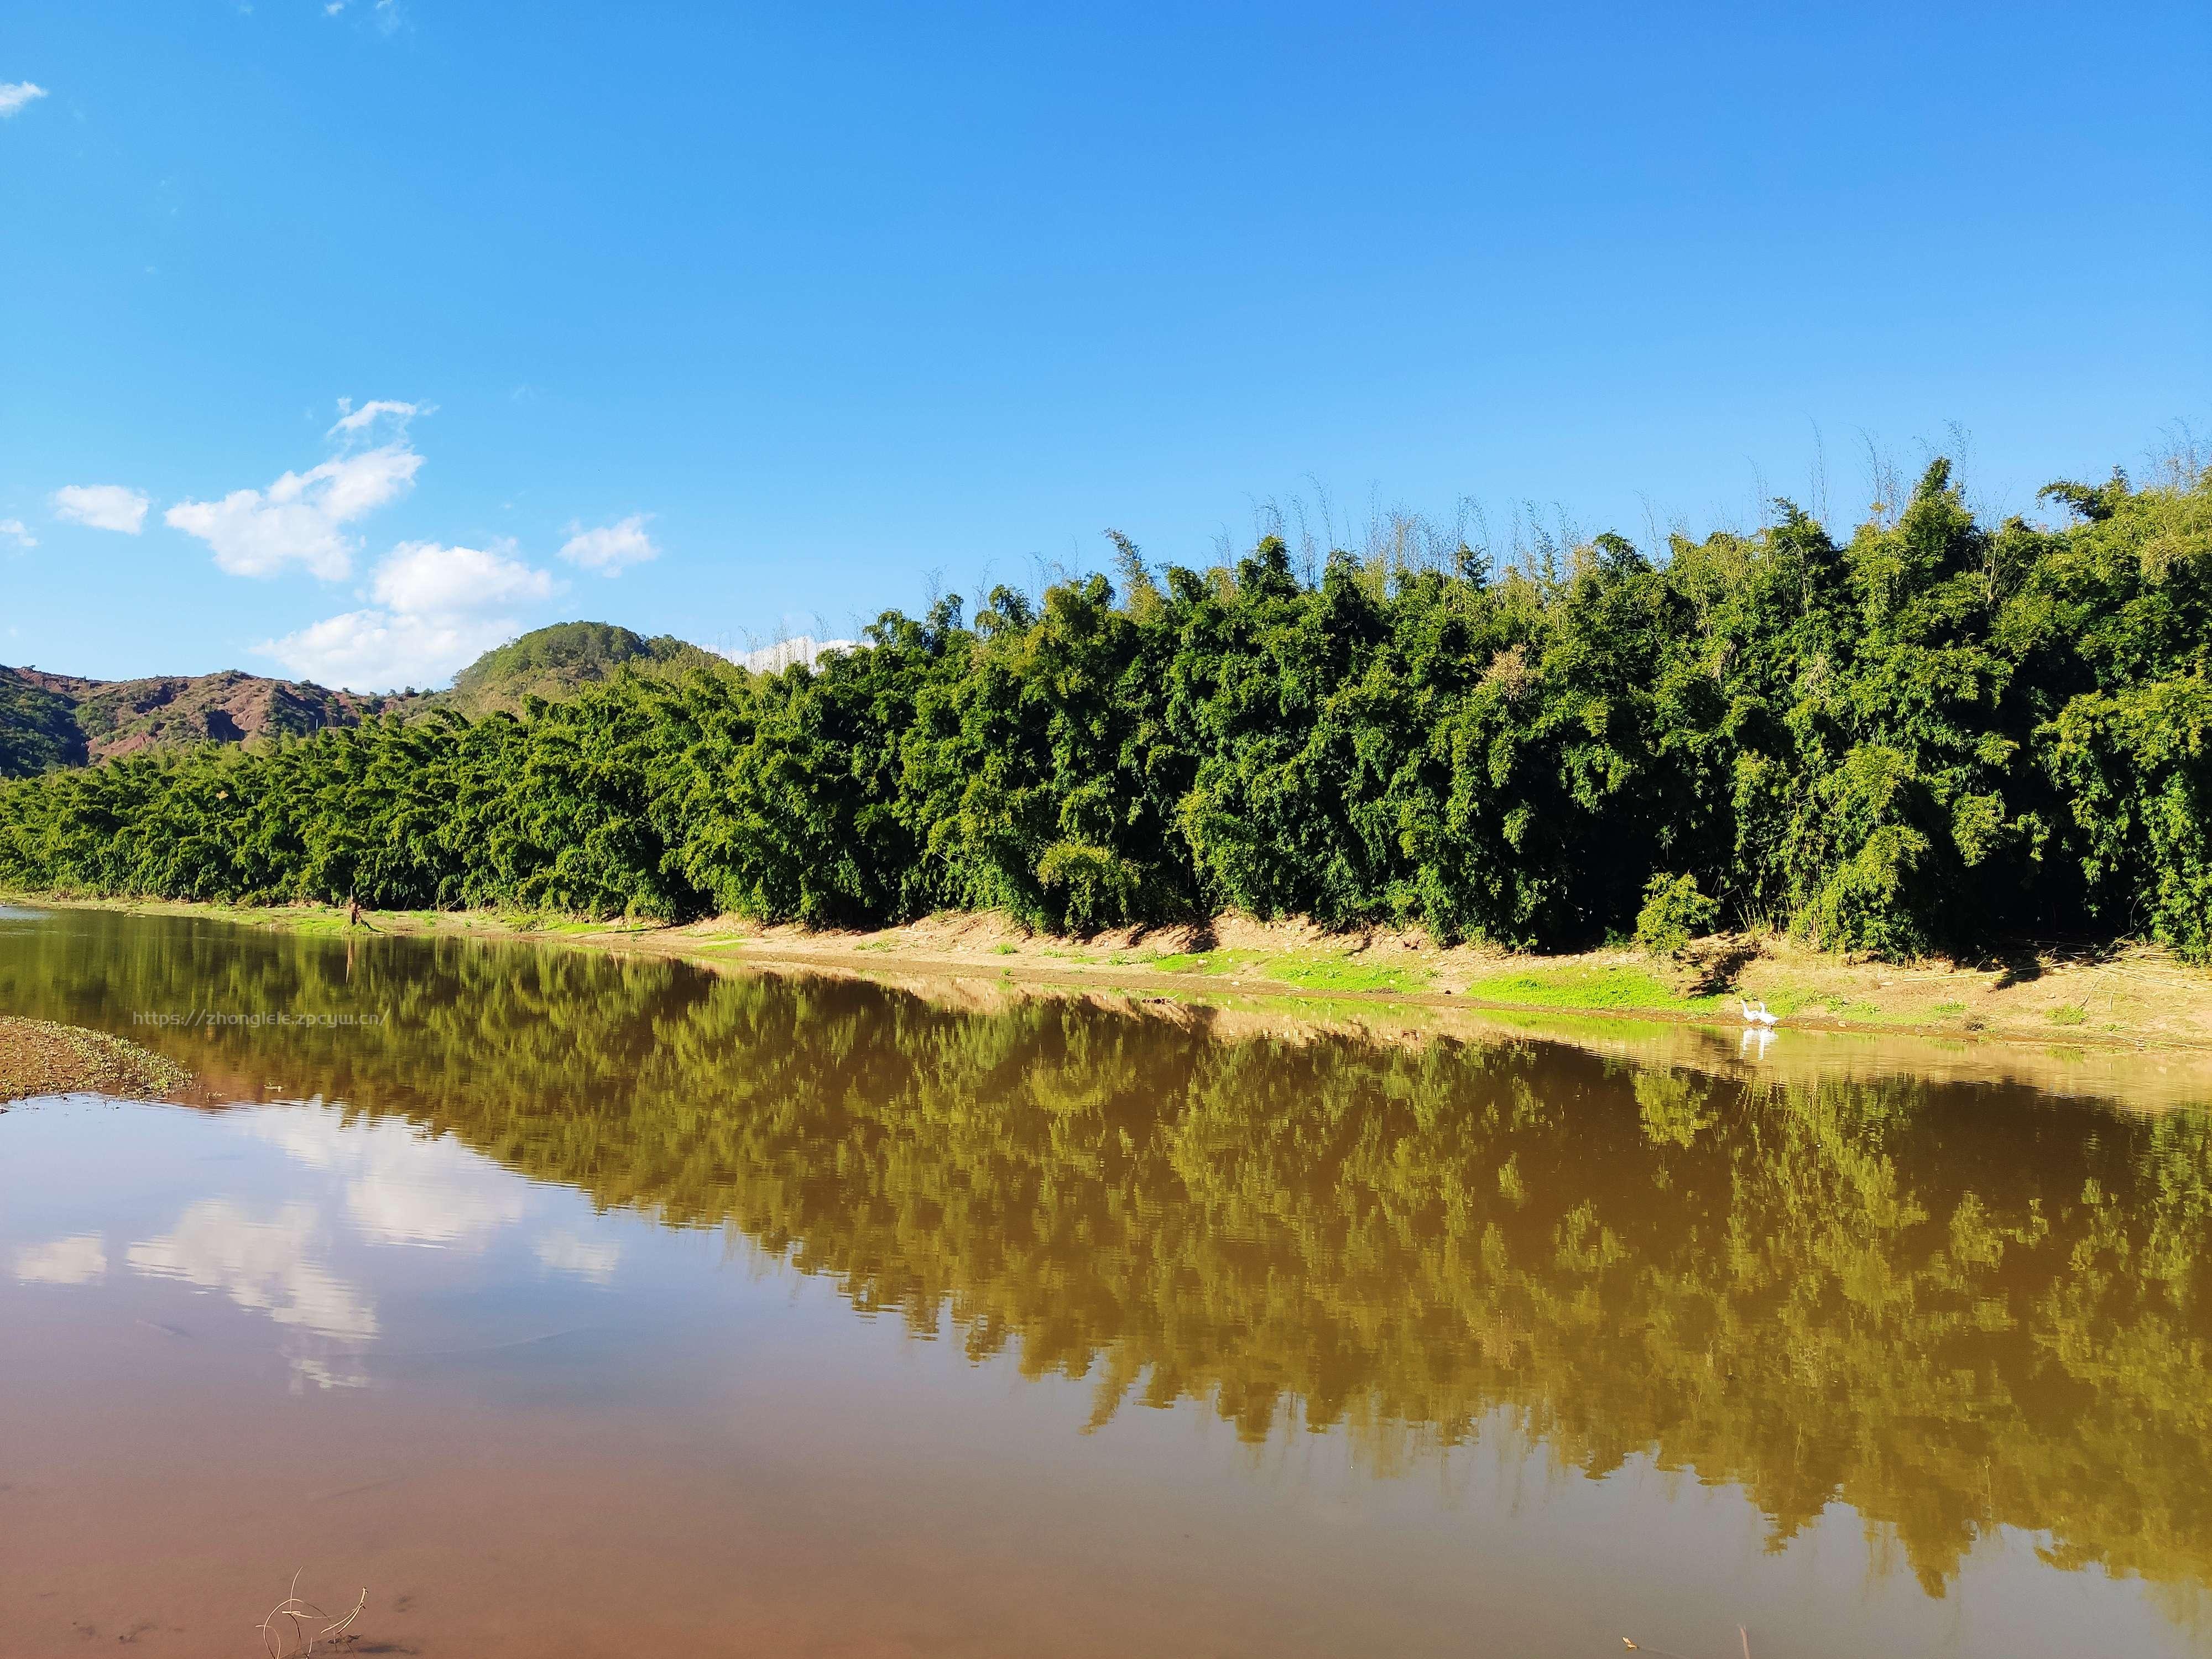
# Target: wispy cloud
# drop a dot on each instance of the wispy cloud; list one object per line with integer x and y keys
{"x": 301, "y": 518}
{"x": 15, "y": 94}
{"x": 386, "y": 13}
{"x": 104, "y": 507}
{"x": 610, "y": 548}
{"x": 14, "y": 530}
{"x": 354, "y": 422}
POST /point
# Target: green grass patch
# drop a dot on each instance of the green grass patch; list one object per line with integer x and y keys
{"x": 1787, "y": 999}
{"x": 1346, "y": 974}
{"x": 1589, "y": 988}
{"x": 332, "y": 924}
{"x": 2067, "y": 1015}
{"x": 1182, "y": 962}
{"x": 1948, "y": 1010}
{"x": 1202, "y": 962}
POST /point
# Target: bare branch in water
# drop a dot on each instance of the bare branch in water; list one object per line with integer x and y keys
{"x": 293, "y": 1627}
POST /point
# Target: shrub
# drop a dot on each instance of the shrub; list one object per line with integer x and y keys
{"x": 1675, "y": 912}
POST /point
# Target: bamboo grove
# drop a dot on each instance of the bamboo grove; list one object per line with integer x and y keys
{"x": 1936, "y": 734}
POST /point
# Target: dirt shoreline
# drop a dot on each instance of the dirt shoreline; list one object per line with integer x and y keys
{"x": 2134, "y": 1026}
{"x": 2132, "y": 997}
{"x": 38, "y": 1057}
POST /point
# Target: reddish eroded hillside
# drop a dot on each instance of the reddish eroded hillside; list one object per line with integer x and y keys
{"x": 113, "y": 718}
{"x": 49, "y": 721}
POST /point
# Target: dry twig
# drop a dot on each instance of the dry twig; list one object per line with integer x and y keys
{"x": 307, "y": 1625}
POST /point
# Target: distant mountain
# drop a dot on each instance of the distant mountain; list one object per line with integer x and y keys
{"x": 59, "y": 719}
{"x": 558, "y": 662}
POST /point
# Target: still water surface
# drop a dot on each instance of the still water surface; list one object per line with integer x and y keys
{"x": 582, "y": 1306}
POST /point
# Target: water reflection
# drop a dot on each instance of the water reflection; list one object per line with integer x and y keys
{"x": 1956, "y": 1309}
{"x": 82, "y": 1260}
{"x": 592, "y": 1259}
{"x": 265, "y": 1264}
{"x": 400, "y": 1186}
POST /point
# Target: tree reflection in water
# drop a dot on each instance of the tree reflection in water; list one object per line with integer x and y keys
{"x": 1953, "y": 1308}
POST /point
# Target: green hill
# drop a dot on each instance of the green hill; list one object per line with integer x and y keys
{"x": 556, "y": 663}
{"x": 38, "y": 728}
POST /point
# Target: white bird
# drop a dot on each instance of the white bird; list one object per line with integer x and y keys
{"x": 1755, "y": 1013}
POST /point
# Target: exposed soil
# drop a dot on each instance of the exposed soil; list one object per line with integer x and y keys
{"x": 40, "y": 1058}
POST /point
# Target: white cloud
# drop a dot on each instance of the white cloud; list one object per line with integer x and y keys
{"x": 13, "y": 94}
{"x": 381, "y": 650}
{"x": 15, "y": 529}
{"x": 610, "y": 548}
{"x": 354, "y": 421}
{"x": 423, "y": 578}
{"x": 104, "y": 507}
{"x": 76, "y": 1261}
{"x": 775, "y": 659}
{"x": 437, "y": 610}
{"x": 301, "y": 518}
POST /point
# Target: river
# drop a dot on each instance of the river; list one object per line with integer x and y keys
{"x": 571, "y": 1304}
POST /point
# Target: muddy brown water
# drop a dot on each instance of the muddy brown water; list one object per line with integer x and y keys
{"x": 574, "y": 1305}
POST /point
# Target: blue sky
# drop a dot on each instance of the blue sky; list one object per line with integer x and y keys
{"x": 411, "y": 325}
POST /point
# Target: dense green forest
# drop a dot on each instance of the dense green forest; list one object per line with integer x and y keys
{"x": 38, "y": 729}
{"x": 1936, "y": 734}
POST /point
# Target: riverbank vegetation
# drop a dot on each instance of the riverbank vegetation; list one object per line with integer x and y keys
{"x": 1932, "y": 735}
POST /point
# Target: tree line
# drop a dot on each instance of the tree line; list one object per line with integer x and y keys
{"x": 1934, "y": 735}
